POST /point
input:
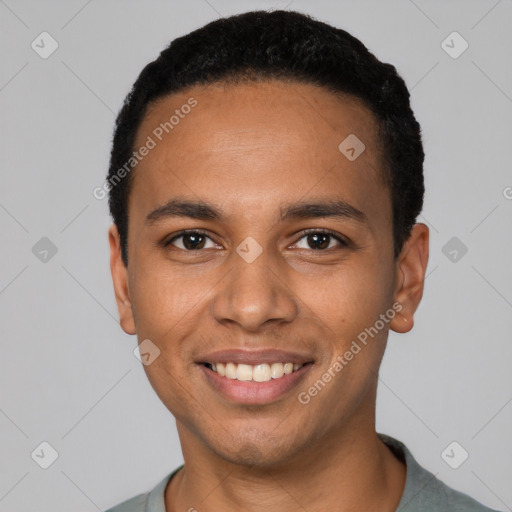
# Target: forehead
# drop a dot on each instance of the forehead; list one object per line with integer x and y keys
{"x": 257, "y": 141}
{"x": 305, "y": 111}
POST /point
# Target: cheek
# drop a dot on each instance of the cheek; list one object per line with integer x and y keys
{"x": 172, "y": 385}
{"x": 162, "y": 300}
{"x": 347, "y": 300}
{"x": 166, "y": 312}
{"x": 355, "y": 341}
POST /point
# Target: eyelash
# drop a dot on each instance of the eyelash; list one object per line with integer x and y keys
{"x": 342, "y": 241}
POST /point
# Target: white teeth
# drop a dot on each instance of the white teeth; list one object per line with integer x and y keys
{"x": 244, "y": 372}
{"x": 231, "y": 370}
{"x": 258, "y": 373}
{"x": 261, "y": 373}
{"x": 277, "y": 370}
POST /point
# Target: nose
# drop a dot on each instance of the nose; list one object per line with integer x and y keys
{"x": 254, "y": 294}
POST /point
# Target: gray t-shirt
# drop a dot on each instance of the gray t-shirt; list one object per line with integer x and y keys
{"x": 423, "y": 492}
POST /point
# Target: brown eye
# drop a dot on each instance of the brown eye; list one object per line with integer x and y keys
{"x": 190, "y": 241}
{"x": 321, "y": 240}
{"x": 193, "y": 242}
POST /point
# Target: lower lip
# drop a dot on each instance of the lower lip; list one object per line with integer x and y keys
{"x": 255, "y": 393}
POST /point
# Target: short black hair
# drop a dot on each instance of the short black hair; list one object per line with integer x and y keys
{"x": 288, "y": 46}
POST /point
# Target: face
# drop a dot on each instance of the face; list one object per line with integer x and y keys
{"x": 287, "y": 258}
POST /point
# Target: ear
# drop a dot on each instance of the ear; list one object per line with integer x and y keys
{"x": 120, "y": 280}
{"x": 410, "y": 277}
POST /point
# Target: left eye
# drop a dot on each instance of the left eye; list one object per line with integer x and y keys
{"x": 320, "y": 240}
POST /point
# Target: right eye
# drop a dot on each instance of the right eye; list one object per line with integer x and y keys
{"x": 190, "y": 240}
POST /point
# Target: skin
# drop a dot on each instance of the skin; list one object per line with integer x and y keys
{"x": 250, "y": 149}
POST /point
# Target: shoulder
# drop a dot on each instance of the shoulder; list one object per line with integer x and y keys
{"x": 424, "y": 492}
{"x": 153, "y": 501}
{"x": 436, "y": 496}
{"x": 136, "y": 504}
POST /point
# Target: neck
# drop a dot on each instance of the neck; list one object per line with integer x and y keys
{"x": 346, "y": 470}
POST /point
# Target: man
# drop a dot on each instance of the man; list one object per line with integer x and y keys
{"x": 265, "y": 179}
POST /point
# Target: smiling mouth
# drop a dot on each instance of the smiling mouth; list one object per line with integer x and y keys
{"x": 263, "y": 372}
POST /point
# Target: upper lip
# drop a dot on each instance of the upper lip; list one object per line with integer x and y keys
{"x": 254, "y": 357}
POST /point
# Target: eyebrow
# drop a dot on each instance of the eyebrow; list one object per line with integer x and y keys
{"x": 338, "y": 209}
{"x": 302, "y": 210}
{"x": 184, "y": 208}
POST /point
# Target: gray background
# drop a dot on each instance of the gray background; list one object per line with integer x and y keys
{"x": 67, "y": 372}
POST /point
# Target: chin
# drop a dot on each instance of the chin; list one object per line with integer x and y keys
{"x": 265, "y": 453}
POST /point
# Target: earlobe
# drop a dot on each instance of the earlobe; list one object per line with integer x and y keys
{"x": 411, "y": 268}
{"x": 402, "y": 323}
{"x": 120, "y": 282}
